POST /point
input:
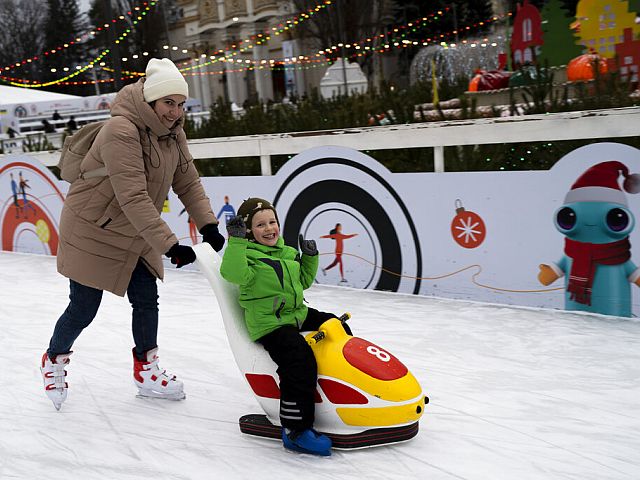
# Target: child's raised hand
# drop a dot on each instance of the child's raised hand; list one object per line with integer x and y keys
{"x": 236, "y": 227}
{"x": 308, "y": 247}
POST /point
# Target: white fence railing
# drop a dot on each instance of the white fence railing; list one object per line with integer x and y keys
{"x": 613, "y": 123}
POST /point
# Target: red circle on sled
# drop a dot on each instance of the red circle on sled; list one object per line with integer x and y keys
{"x": 373, "y": 360}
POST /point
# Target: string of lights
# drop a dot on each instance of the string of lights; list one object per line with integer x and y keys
{"x": 261, "y": 64}
{"x": 247, "y": 44}
{"x": 190, "y": 67}
{"x": 130, "y": 75}
{"x": 35, "y": 84}
{"x": 186, "y": 66}
{"x": 140, "y": 11}
{"x": 436, "y": 39}
{"x": 413, "y": 25}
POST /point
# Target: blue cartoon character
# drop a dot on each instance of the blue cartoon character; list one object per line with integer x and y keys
{"x": 597, "y": 221}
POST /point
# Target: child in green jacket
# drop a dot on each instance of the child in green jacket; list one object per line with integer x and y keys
{"x": 272, "y": 278}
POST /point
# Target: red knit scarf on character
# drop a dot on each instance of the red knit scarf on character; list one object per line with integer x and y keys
{"x": 586, "y": 256}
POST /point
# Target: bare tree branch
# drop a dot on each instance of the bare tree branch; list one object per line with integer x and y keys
{"x": 21, "y": 31}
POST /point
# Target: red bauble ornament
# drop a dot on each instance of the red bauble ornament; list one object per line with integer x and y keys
{"x": 467, "y": 228}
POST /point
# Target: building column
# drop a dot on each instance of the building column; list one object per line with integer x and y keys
{"x": 205, "y": 86}
{"x": 195, "y": 89}
{"x": 236, "y": 86}
{"x": 264, "y": 84}
{"x": 299, "y": 73}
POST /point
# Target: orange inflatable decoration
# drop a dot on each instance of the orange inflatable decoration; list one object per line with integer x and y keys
{"x": 473, "y": 84}
{"x": 581, "y": 68}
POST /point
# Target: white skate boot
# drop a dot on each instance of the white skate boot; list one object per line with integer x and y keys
{"x": 154, "y": 382}
{"x": 54, "y": 377}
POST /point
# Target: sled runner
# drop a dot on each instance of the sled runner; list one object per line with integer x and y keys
{"x": 365, "y": 395}
{"x": 256, "y": 424}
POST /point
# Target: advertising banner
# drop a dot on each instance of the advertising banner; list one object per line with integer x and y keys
{"x": 563, "y": 238}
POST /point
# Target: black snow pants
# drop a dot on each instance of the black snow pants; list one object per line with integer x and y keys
{"x": 297, "y": 370}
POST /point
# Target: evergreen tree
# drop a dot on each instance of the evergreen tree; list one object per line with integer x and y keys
{"x": 21, "y": 37}
{"x": 560, "y": 43}
{"x": 64, "y": 26}
{"x": 146, "y": 34}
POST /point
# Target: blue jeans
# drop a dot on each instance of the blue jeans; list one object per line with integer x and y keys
{"x": 83, "y": 307}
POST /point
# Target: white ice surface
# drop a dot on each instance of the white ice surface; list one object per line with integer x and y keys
{"x": 515, "y": 393}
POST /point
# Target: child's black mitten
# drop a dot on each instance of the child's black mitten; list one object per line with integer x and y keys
{"x": 308, "y": 247}
{"x": 236, "y": 227}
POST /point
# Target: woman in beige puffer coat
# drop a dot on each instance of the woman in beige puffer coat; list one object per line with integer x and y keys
{"x": 112, "y": 236}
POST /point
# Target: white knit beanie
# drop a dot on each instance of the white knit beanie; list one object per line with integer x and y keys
{"x": 163, "y": 78}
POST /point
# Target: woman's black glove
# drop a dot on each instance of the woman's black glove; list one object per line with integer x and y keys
{"x": 181, "y": 255}
{"x": 236, "y": 227}
{"x": 212, "y": 236}
{"x": 308, "y": 247}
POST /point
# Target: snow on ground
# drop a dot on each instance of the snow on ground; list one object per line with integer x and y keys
{"x": 515, "y": 393}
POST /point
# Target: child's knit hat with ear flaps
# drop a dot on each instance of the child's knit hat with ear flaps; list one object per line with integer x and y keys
{"x": 250, "y": 207}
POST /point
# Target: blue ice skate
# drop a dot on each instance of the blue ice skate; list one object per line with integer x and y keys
{"x": 307, "y": 441}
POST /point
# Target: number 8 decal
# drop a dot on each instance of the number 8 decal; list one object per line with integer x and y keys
{"x": 380, "y": 354}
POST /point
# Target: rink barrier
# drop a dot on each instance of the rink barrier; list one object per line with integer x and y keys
{"x": 581, "y": 125}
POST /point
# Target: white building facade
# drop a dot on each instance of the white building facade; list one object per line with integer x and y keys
{"x": 205, "y": 30}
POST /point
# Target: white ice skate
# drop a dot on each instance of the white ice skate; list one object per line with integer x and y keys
{"x": 152, "y": 381}
{"x": 54, "y": 377}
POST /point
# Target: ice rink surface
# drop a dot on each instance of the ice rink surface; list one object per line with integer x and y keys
{"x": 515, "y": 393}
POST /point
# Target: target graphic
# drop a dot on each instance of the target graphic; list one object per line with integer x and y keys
{"x": 329, "y": 188}
{"x": 31, "y": 206}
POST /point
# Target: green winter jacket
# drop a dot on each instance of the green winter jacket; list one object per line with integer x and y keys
{"x": 271, "y": 280}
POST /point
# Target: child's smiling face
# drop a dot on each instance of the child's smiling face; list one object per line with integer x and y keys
{"x": 264, "y": 227}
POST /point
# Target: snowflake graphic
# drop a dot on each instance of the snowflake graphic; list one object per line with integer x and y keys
{"x": 468, "y": 230}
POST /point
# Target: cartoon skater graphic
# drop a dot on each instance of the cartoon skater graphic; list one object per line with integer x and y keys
{"x": 228, "y": 211}
{"x": 596, "y": 221}
{"x": 193, "y": 230}
{"x": 23, "y": 184}
{"x": 339, "y": 237}
{"x": 14, "y": 190}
